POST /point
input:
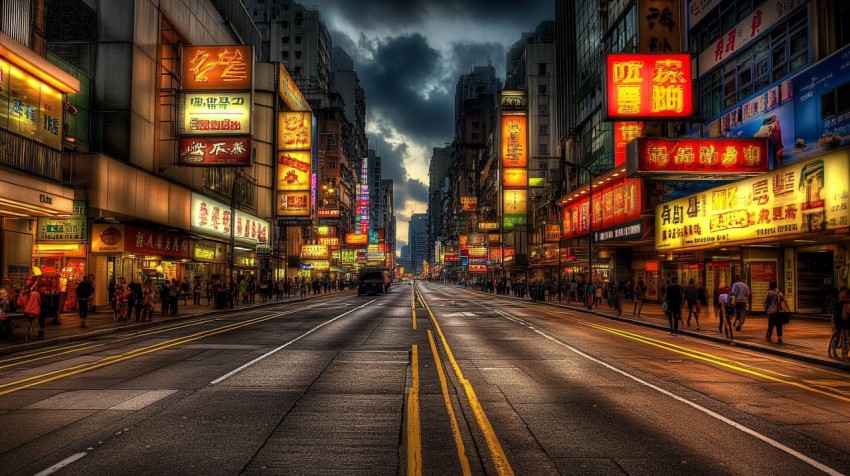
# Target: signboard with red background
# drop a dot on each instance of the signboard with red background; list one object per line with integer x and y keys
{"x": 614, "y": 203}
{"x": 698, "y": 156}
{"x": 648, "y": 86}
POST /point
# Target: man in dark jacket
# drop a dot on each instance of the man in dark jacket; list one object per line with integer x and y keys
{"x": 674, "y": 305}
{"x": 84, "y": 293}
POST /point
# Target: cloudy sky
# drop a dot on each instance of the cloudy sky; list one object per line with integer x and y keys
{"x": 409, "y": 54}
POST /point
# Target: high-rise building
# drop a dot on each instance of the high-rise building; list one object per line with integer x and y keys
{"x": 346, "y": 82}
{"x": 437, "y": 171}
{"x": 418, "y": 241}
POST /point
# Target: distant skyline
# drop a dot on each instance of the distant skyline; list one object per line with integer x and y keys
{"x": 409, "y": 56}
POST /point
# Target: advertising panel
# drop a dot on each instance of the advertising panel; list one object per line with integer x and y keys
{"x": 806, "y": 197}
{"x": 315, "y": 252}
{"x": 614, "y": 203}
{"x": 293, "y": 170}
{"x": 477, "y": 251}
{"x": 217, "y": 67}
{"x": 551, "y": 233}
{"x": 661, "y": 26}
{"x": 326, "y": 230}
{"x": 289, "y": 91}
{"x": 648, "y": 86}
{"x": 295, "y": 131}
{"x": 514, "y": 141}
{"x": 477, "y": 268}
{"x": 215, "y": 114}
{"x": 107, "y": 238}
{"x": 488, "y": 226}
{"x": 697, "y": 157}
{"x": 476, "y": 239}
{"x": 356, "y": 239}
{"x": 29, "y": 107}
{"x": 293, "y": 204}
{"x": 515, "y": 202}
{"x": 625, "y": 132}
{"x": 215, "y": 152}
{"x": 515, "y": 177}
{"x": 451, "y": 257}
{"x": 154, "y": 242}
{"x": 468, "y": 204}
{"x": 753, "y": 25}
{"x": 212, "y": 217}
{"x": 71, "y": 228}
{"x": 494, "y": 254}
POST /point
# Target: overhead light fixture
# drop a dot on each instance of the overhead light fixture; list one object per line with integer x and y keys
{"x": 241, "y": 248}
{"x": 39, "y": 248}
{"x": 805, "y": 241}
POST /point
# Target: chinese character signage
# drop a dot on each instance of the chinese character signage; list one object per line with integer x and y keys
{"x": 315, "y": 252}
{"x": 296, "y": 187}
{"x": 211, "y": 217}
{"x": 648, "y": 86}
{"x": 806, "y": 197}
{"x": 468, "y": 204}
{"x": 488, "y": 226}
{"x": 294, "y": 131}
{"x": 218, "y": 152}
{"x": 514, "y": 141}
{"x": 660, "y": 26}
{"x": 289, "y": 92}
{"x": 513, "y": 110}
{"x": 293, "y": 204}
{"x": 107, "y": 238}
{"x": 625, "y": 132}
{"x": 551, "y": 233}
{"x": 477, "y": 268}
{"x": 293, "y": 170}
{"x": 514, "y": 177}
{"x": 697, "y": 157}
{"x": 515, "y": 201}
{"x": 73, "y": 228}
{"x": 615, "y": 203}
{"x": 217, "y": 67}
{"x": 154, "y": 242}
{"x": 215, "y": 114}
{"x": 356, "y": 239}
{"x": 29, "y": 107}
{"x": 759, "y": 21}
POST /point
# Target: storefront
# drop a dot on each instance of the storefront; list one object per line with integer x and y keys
{"x": 60, "y": 250}
{"x": 790, "y": 225}
{"x": 208, "y": 259}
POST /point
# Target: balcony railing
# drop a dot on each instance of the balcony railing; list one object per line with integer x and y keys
{"x": 30, "y": 156}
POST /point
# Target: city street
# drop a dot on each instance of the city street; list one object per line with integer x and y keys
{"x": 442, "y": 380}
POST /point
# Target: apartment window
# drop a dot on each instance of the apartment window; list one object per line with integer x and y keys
{"x": 543, "y": 109}
{"x": 284, "y": 55}
{"x": 332, "y": 164}
{"x": 297, "y": 40}
{"x": 543, "y": 165}
{"x": 541, "y": 68}
{"x": 543, "y": 128}
{"x": 297, "y": 71}
{"x": 284, "y": 24}
{"x": 543, "y": 149}
{"x": 298, "y": 22}
{"x": 285, "y": 40}
{"x": 297, "y": 55}
{"x": 542, "y": 89}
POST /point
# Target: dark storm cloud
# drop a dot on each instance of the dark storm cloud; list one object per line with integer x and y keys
{"x": 405, "y": 187}
{"x": 468, "y": 54}
{"x": 399, "y": 84}
{"x": 370, "y": 14}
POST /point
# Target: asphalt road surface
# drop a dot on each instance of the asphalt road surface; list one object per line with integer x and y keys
{"x": 429, "y": 379}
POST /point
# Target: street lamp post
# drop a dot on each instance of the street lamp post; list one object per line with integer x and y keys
{"x": 590, "y": 223}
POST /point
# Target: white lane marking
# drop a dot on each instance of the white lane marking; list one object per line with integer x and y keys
{"x": 65, "y": 462}
{"x": 822, "y": 467}
{"x": 245, "y": 366}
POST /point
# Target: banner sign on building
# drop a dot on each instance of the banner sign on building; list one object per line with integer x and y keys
{"x": 293, "y": 170}
{"x": 515, "y": 177}
{"x": 477, "y": 251}
{"x": 295, "y": 131}
{"x": 215, "y": 114}
{"x": 107, "y": 238}
{"x": 615, "y": 203}
{"x": 513, "y": 109}
{"x": 30, "y": 107}
{"x": 356, "y": 239}
{"x": 476, "y": 239}
{"x": 811, "y": 196}
{"x": 289, "y": 91}
{"x": 315, "y": 252}
{"x": 759, "y": 21}
{"x": 218, "y": 152}
{"x": 625, "y": 132}
{"x": 477, "y": 268}
{"x": 698, "y": 158}
{"x": 648, "y": 86}
{"x": 468, "y": 204}
{"x": 73, "y": 228}
{"x": 217, "y": 67}
{"x": 488, "y": 226}
{"x": 661, "y": 25}
{"x": 154, "y": 242}
{"x": 551, "y": 233}
{"x": 295, "y": 182}
{"x": 212, "y": 217}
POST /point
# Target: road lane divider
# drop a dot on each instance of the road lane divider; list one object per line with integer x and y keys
{"x": 749, "y": 431}
{"x": 279, "y": 348}
{"x": 447, "y": 399}
{"x": 413, "y": 304}
{"x": 497, "y": 453}
{"x": 414, "y": 429}
{"x": 14, "y": 386}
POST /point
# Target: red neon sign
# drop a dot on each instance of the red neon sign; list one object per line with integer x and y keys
{"x": 614, "y": 203}
{"x": 701, "y": 156}
{"x": 648, "y": 85}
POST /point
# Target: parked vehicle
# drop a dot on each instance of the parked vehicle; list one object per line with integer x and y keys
{"x": 371, "y": 281}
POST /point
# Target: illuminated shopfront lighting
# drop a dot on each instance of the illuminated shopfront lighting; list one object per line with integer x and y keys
{"x": 57, "y": 247}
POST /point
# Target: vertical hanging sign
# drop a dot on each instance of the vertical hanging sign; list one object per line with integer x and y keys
{"x": 513, "y": 109}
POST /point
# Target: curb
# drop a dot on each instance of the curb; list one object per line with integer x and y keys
{"x": 31, "y": 345}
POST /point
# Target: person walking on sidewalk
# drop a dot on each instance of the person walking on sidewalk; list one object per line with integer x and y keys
{"x": 639, "y": 294}
{"x": 148, "y": 293}
{"x": 84, "y": 293}
{"x": 674, "y": 305}
{"x": 30, "y": 300}
{"x": 774, "y": 305}
{"x": 197, "y": 289}
{"x": 741, "y": 292}
{"x": 691, "y": 297}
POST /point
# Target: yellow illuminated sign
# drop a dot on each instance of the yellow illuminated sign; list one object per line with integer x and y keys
{"x": 806, "y": 197}
{"x": 30, "y": 107}
{"x": 315, "y": 252}
{"x": 215, "y": 114}
{"x": 514, "y": 141}
{"x": 515, "y": 177}
{"x": 295, "y": 131}
{"x": 515, "y": 202}
{"x": 293, "y": 170}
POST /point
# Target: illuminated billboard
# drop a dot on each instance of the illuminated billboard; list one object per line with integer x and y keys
{"x": 515, "y": 177}
{"x": 315, "y": 252}
{"x": 615, "y": 203}
{"x": 515, "y": 201}
{"x": 488, "y": 226}
{"x": 295, "y": 183}
{"x": 356, "y": 239}
{"x": 289, "y": 91}
{"x": 215, "y": 114}
{"x": 29, "y": 107}
{"x": 811, "y": 196}
{"x": 514, "y": 141}
{"x": 293, "y": 204}
{"x": 649, "y": 86}
{"x": 295, "y": 131}
{"x": 468, "y": 204}
{"x": 217, "y": 152}
{"x": 625, "y": 132}
{"x": 697, "y": 157}
{"x": 217, "y": 67}
{"x": 293, "y": 170}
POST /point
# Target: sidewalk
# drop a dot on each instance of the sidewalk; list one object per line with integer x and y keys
{"x": 102, "y": 323}
{"x": 804, "y": 338}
